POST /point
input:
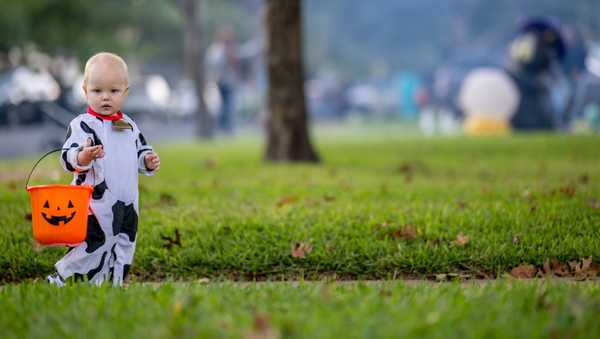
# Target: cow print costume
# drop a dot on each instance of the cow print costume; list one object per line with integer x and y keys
{"x": 107, "y": 252}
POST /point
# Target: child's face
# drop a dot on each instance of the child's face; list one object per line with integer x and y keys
{"x": 106, "y": 89}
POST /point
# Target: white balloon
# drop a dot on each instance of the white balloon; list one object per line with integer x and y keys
{"x": 489, "y": 93}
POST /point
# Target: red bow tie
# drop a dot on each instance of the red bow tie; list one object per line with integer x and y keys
{"x": 114, "y": 117}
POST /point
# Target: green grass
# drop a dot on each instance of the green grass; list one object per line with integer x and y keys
{"x": 518, "y": 199}
{"x": 307, "y": 310}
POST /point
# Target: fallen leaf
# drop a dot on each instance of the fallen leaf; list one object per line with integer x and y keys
{"x": 584, "y": 179}
{"x": 28, "y": 216}
{"x": 172, "y": 241}
{"x": 210, "y": 163}
{"x": 290, "y": 199}
{"x": 328, "y": 198}
{"x": 524, "y": 271}
{"x": 262, "y": 328}
{"x": 559, "y": 269}
{"x": 301, "y": 249}
{"x": 433, "y": 242}
{"x": 12, "y": 186}
{"x": 441, "y": 277}
{"x": 407, "y": 232}
{"x": 461, "y": 239}
{"x": 406, "y": 168}
{"x": 36, "y": 246}
{"x": 345, "y": 185}
{"x": 586, "y": 263}
{"x": 533, "y": 208}
{"x": 585, "y": 269}
{"x": 569, "y": 191}
{"x": 516, "y": 238}
{"x": 167, "y": 199}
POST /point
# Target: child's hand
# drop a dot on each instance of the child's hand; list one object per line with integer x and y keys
{"x": 152, "y": 161}
{"x": 89, "y": 153}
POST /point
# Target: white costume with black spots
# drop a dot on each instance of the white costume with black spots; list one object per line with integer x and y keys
{"x": 112, "y": 223}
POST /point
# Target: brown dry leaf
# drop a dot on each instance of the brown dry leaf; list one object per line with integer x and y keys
{"x": 441, "y": 277}
{"x": 345, "y": 185}
{"x": 172, "y": 241}
{"x": 288, "y": 199}
{"x": 560, "y": 269}
{"x": 584, "y": 179}
{"x": 546, "y": 270}
{"x": 262, "y": 328}
{"x": 586, "y": 263}
{"x": 167, "y": 199}
{"x": 36, "y": 246}
{"x": 301, "y": 249}
{"x": 524, "y": 271}
{"x": 28, "y": 216}
{"x": 433, "y": 242}
{"x": 210, "y": 163}
{"x": 585, "y": 269}
{"x": 328, "y": 198}
{"x": 569, "y": 191}
{"x": 461, "y": 239}
{"x": 532, "y": 208}
{"x": 516, "y": 238}
{"x": 406, "y": 169}
{"x": 407, "y": 232}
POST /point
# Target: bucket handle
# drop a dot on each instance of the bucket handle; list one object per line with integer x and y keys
{"x": 42, "y": 158}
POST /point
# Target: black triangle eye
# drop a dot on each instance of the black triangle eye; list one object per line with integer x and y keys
{"x": 70, "y": 204}
{"x": 46, "y": 205}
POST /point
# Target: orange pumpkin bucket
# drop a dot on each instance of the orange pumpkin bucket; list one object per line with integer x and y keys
{"x": 59, "y": 213}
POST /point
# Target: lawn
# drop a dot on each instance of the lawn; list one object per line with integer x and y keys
{"x": 503, "y": 309}
{"x": 380, "y": 206}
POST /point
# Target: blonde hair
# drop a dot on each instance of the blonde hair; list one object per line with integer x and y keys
{"x": 106, "y": 58}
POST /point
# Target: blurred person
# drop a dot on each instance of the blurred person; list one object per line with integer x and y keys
{"x": 535, "y": 56}
{"x": 105, "y": 148}
{"x": 223, "y": 68}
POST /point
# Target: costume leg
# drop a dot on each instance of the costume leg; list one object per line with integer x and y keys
{"x": 90, "y": 260}
{"x": 124, "y": 229}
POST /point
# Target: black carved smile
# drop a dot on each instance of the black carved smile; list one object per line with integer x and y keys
{"x": 56, "y": 220}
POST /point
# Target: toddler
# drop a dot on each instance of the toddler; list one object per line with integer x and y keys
{"x": 106, "y": 149}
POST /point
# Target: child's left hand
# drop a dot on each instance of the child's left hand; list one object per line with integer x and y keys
{"x": 152, "y": 161}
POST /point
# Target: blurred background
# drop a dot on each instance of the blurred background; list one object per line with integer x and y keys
{"x": 440, "y": 67}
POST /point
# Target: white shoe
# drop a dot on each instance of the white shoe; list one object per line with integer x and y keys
{"x": 55, "y": 279}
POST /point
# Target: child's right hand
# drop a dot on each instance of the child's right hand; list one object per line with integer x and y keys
{"x": 89, "y": 153}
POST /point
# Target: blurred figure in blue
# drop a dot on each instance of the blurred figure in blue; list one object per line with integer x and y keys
{"x": 408, "y": 86}
{"x": 223, "y": 68}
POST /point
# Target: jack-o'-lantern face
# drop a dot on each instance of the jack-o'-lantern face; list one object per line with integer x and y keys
{"x": 57, "y": 215}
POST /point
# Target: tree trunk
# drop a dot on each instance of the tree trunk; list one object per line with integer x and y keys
{"x": 193, "y": 66}
{"x": 288, "y": 137}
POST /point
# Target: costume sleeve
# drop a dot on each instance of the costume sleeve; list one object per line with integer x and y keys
{"x": 142, "y": 149}
{"x": 74, "y": 143}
